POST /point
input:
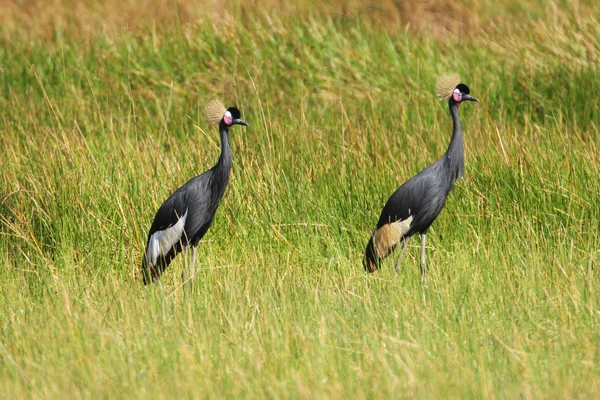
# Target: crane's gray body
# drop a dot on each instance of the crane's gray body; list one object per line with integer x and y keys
{"x": 424, "y": 195}
{"x": 414, "y": 206}
{"x": 183, "y": 219}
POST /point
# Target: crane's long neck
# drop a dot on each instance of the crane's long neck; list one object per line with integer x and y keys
{"x": 223, "y": 167}
{"x": 455, "y": 155}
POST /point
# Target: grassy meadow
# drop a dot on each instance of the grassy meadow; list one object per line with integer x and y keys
{"x": 101, "y": 119}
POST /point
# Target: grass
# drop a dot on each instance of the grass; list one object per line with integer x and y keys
{"x": 100, "y": 124}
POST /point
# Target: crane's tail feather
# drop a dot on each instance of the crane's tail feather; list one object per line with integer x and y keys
{"x": 383, "y": 241}
{"x": 371, "y": 260}
{"x": 151, "y": 273}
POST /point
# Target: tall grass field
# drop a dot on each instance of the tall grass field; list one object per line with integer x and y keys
{"x": 101, "y": 120}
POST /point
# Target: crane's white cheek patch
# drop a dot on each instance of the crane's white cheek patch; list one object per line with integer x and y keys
{"x": 386, "y": 237}
{"x": 162, "y": 241}
{"x": 457, "y": 97}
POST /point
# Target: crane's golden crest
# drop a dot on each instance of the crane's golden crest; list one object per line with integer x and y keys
{"x": 445, "y": 85}
{"x": 214, "y": 111}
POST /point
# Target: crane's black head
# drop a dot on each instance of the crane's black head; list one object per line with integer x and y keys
{"x": 461, "y": 93}
{"x": 233, "y": 117}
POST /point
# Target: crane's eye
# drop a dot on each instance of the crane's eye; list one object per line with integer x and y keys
{"x": 227, "y": 118}
{"x": 457, "y": 96}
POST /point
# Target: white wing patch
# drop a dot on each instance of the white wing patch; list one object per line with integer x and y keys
{"x": 162, "y": 241}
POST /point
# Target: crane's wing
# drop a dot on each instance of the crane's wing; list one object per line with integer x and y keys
{"x": 419, "y": 197}
{"x": 202, "y": 204}
{"x": 409, "y": 209}
{"x": 167, "y": 228}
{"x": 395, "y": 222}
{"x": 169, "y": 213}
{"x": 402, "y": 204}
{"x": 184, "y": 217}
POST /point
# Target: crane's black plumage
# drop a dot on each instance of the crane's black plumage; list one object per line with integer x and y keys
{"x": 183, "y": 219}
{"x": 416, "y": 204}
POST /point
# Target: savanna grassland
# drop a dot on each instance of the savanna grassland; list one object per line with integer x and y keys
{"x": 101, "y": 119}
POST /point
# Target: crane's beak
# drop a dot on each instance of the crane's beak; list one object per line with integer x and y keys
{"x": 239, "y": 122}
{"x": 468, "y": 97}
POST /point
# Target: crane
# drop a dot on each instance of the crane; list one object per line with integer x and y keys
{"x": 414, "y": 206}
{"x": 183, "y": 219}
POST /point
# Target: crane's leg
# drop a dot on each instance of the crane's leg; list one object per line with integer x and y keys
{"x": 423, "y": 261}
{"x": 189, "y": 268}
{"x": 192, "y": 270}
{"x": 185, "y": 265}
{"x": 404, "y": 244}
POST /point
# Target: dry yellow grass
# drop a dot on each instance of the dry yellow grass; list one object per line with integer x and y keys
{"x": 425, "y": 17}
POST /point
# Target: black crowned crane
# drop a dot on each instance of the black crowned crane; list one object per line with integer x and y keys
{"x": 416, "y": 203}
{"x": 183, "y": 219}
